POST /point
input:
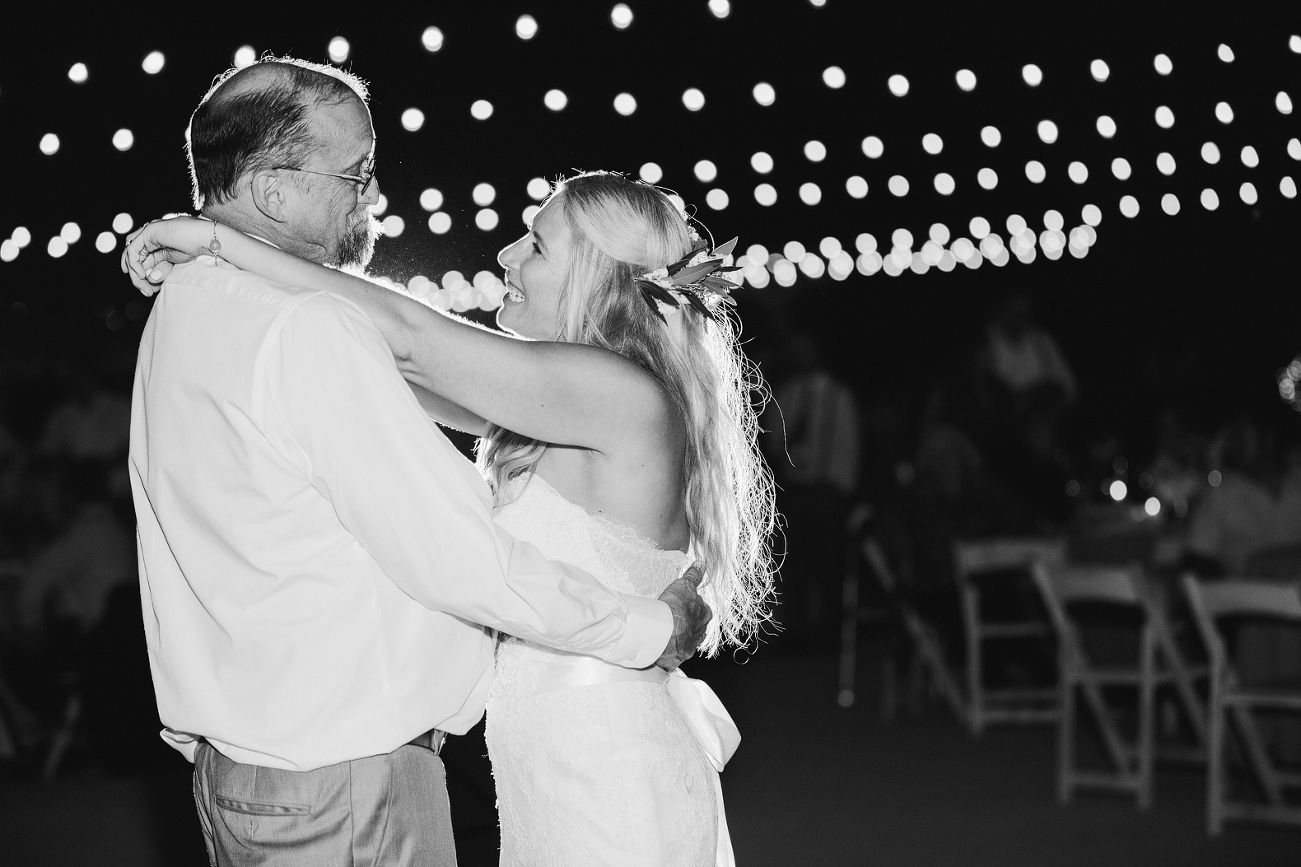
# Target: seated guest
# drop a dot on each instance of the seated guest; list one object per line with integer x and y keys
{"x": 1255, "y": 506}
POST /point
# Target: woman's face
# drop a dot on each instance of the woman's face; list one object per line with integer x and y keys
{"x": 535, "y": 272}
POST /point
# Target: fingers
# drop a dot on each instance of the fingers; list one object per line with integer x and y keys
{"x": 695, "y": 574}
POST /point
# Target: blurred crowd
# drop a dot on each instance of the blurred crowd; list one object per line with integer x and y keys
{"x": 997, "y": 447}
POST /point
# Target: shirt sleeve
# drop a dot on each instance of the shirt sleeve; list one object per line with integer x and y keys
{"x": 419, "y": 508}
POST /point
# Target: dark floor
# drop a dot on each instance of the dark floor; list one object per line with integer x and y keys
{"x": 811, "y": 784}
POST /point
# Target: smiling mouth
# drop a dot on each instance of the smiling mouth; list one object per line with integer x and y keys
{"x": 513, "y": 294}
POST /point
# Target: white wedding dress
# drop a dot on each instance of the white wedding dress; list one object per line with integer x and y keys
{"x": 597, "y": 764}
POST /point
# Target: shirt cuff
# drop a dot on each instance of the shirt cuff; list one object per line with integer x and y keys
{"x": 650, "y": 626}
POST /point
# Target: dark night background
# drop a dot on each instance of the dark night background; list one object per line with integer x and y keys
{"x": 1193, "y": 313}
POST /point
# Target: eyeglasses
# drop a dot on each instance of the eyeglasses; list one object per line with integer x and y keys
{"x": 363, "y": 181}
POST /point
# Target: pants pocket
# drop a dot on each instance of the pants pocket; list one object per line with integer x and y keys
{"x": 255, "y": 808}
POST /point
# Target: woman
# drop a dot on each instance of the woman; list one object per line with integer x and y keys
{"x": 618, "y": 436}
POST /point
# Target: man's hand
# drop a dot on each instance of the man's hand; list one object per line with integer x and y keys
{"x": 690, "y": 617}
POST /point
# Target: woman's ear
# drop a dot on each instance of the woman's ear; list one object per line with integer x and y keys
{"x": 270, "y": 196}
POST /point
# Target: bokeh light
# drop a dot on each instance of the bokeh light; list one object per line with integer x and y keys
{"x": 393, "y": 225}
{"x": 1294, "y": 148}
{"x": 833, "y": 77}
{"x": 105, "y": 242}
{"x": 481, "y": 109}
{"x": 1032, "y": 74}
{"x": 1287, "y": 187}
{"x": 625, "y": 104}
{"x": 526, "y": 27}
{"x": 1210, "y": 199}
{"x": 1165, "y": 118}
{"x": 873, "y": 147}
{"x": 1035, "y": 172}
{"x": 621, "y": 16}
{"x": 932, "y": 143}
{"x": 1053, "y": 220}
{"x": 815, "y": 151}
{"x": 979, "y": 228}
{"x": 1047, "y": 131}
{"x": 944, "y": 184}
{"x": 856, "y": 186}
{"x": 966, "y": 79}
{"x": 527, "y": 215}
{"x": 810, "y": 193}
{"x": 153, "y": 62}
{"x": 78, "y": 73}
{"x": 380, "y": 206}
{"x": 21, "y": 236}
{"x": 720, "y": 8}
{"x": 1099, "y": 70}
{"x": 693, "y": 98}
{"x": 898, "y": 185}
{"x": 651, "y": 173}
{"x": 813, "y": 266}
{"x": 1106, "y": 126}
{"x": 413, "y": 119}
{"x": 1250, "y": 158}
{"x": 123, "y": 139}
{"x": 245, "y": 56}
{"x": 431, "y": 199}
{"x": 1225, "y": 53}
{"x": 902, "y": 239}
{"x": 898, "y": 85}
{"x": 49, "y": 144}
{"x": 1223, "y": 112}
{"x": 1165, "y": 163}
{"x": 122, "y": 223}
{"x": 1294, "y": 43}
{"x": 1170, "y": 204}
{"x": 440, "y": 223}
{"x": 987, "y": 178}
{"x": 1211, "y": 152}
{"x": 705, "y": 171}
{"x": 8, "y": 250}
{"x": 991, "y": 136}
{"x": 1247, "y": 192}
{"x": 538, "y": 189}
{"x": 1077, "y": 172}
{"x": 338, "y": 49}
{"x": 432, "y": 40}
{"x": 939, "y": 233}
{"x": 1129, "y": 206}
{"x": 764, "y": 94}
{"x": 716, "y": 199}
{"x": 70, "y": 232}
{"x": 765, "y": 194}
{"x": 1120, "y": 168}
{"x": 486, "y": 219}
{"x": 1015, "y": 224}
{"x": 794, "y": 251}
{"x": 1283, "y": 102}
{"x": 483, "y": 194}
{"x": 1162, "y": 64}
{"x": 555, "y": 99}
{"x": 1091, "y": 215}
{"x": 761, "y": 162}
{"x": 57, "y": 247}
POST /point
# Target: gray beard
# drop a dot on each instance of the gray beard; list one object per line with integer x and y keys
{"x": 357, "y": 247}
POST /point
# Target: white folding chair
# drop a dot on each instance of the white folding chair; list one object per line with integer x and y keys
{"x": 892, "y": 611}
{"x": 1130, "y": 761}
{"x": 1232, "y": 703}
{"x": 974, "y": 561}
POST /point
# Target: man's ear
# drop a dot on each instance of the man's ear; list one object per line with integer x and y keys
{"x": 269, "y": 194}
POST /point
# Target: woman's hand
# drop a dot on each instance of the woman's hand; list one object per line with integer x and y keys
{"x": 155, "y": 247}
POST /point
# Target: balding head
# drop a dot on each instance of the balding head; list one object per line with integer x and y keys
{"x": 259, "y": 117}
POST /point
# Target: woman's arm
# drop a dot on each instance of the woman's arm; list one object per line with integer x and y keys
{"x": 562, "y": 393}
{"x": 448, "y": 414}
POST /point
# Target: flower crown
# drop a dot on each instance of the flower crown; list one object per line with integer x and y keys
{"x": 693, "y": 280}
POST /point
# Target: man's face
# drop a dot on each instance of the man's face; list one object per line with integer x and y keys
{"x": 331, "y": 214}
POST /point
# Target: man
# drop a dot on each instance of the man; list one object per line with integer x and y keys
{"x": 314, "y": 555}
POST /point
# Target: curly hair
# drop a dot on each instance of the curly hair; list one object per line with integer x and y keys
{"x": 621, "y": 228}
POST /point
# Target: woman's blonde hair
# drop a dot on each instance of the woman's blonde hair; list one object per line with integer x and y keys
{"x": 621, "y": 228}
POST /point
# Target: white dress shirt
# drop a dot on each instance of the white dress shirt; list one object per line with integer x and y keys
{"x": 316, "y": 558}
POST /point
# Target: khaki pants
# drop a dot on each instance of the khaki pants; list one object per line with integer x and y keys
{"x": 381, "y": 810}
